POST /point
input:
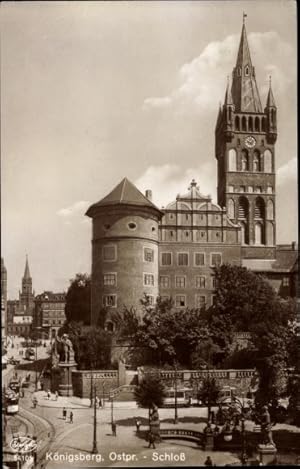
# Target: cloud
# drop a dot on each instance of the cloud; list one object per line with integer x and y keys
{"x": 287, "y": 172}
{"x": 202, "y": 81}
{"x": 168, "y": 180}
{"x": 78, "y": 208}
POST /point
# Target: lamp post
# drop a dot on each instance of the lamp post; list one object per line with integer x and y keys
{"x": 112, "y": 408}
{"x": 175, "y": 389}
{"x": 95, "y": 449}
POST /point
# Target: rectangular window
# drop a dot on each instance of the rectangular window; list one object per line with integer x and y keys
{"x": 213, "y": 300}
{"x": 199, "y": 258}
{"x": 110, "y": 300}
{"x": 213, "y": 282}
{"x": 285, "y": 282}
{"x": 110, "y": 279}
{"x": 148, "y": 279}
{"x": 215, "y": 260}
{"x": 200, "y": 281}
{"x": 200, "y": 301}
{"x": 165, "y": 281}
{"x": 164, "y": 297}
{"x": 148, "y": 255}
{"x": 183, "y": 258}
{"x": 180, "y": 282}
{"x": 180, "y": 301}
{"x": 166, "y": 258}
{"x": 110, "y": 253}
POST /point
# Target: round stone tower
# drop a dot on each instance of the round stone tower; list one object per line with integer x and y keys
{"x": 124, "y": 250}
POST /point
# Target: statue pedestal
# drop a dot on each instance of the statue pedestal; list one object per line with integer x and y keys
{"x": 267, "y": 454}
{"x": 65, "y": 387}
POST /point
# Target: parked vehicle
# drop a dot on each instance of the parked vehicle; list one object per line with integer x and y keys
{"x": 11, "y": 401}
{"x": 182, "y": 397}
{"x": 29, "y": 354}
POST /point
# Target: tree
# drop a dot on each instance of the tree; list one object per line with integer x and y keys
{"x": 209, "y": 392}
{"x": 150, "y": 392}
{"x": 78, "y": 299}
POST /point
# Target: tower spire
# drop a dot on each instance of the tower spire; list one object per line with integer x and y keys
{"x": 228, "y": 96}
{"x": 270, "y": 98}
{"x": 26, "y": 271}
{"x": 244, "y": 88}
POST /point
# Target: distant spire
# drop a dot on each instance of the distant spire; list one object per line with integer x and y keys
{"x": 228, "y": 96}
{"x": 244, "y": 17}
{"x": 26, "y": 272}
{"x": 244, "y": 88}
{"x": 270, "y": 98}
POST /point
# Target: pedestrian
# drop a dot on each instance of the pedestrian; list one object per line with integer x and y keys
{"x": 114, "y": 428}
{"x": 64, "y": 413}
{"x": 49, "y": 394}
{"x": 56, "y": 395}
{"x": 208, "y": 461}
{"x": 71, "y": 417}
{"x": 137, "y": 424}
{"x": 151, "y": 439}
{"x": 97, "y": 401}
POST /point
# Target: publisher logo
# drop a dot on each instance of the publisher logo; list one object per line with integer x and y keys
{"x": 23, "y": 444}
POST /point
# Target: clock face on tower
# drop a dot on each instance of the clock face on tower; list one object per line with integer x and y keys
{"x": 250, "y": 141}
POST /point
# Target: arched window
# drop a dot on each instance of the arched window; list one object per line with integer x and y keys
{"x": 273, "y": 114}
{"x": 263, "y": 124}
{"x": 270, "y": 210}
{"x": 243, "y": 208}
{"x": 245, "y": 160}
{"x": 259, "y": 210}
{"x": 257, "y": 126}
{"x": 250, "y": 124}
{"x": 229, "y": 114}
{"x": 244, "y": 124}
{"x": 232, "y": 160}
{"x": 267, "y": 161}
{"x": 270, "y": 234}
{"x": 258, "y": 233}
{"x": 244, "y": 233}
{"x": 237, "y": 123}
{"x": 247, "y": 71}
{"x": 231, "y": 209}
{"x": 256, "y": 161}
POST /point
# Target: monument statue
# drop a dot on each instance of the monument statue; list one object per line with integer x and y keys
{"x": 266, "y": 427}
{"x": 67, "y": 354}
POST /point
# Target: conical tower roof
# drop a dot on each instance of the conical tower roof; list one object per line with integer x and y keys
{"x": 244, "y": 88}
{"x": 270, "y": 98}
{"x": 125, "y": 193}
{"x": 228, "y": 101}
{"x": 26, "y": 271}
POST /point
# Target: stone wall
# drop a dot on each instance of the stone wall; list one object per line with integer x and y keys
{"x": 104, "y": 380}
{"x": 242, "y": 380}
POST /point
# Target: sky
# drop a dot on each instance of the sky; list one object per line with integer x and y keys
{"x": 92, "y": 92}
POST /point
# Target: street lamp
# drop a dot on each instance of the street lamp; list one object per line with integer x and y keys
{"x": 112, "y": 408}
{"x": 175, "y": 389}
{"x": 95, "y": 449}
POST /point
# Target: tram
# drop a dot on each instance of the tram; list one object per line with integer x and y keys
{"x": 11, "y": 402}
{"x": 182, "y": 397}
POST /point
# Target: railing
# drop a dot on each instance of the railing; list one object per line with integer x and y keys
{"x": 192, "y": 435}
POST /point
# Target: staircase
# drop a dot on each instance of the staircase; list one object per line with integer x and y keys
{"x": 123, "y": 393}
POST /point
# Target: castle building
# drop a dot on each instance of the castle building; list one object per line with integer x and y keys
{"x": 138, "y": 249}
{"x": 49, "y": 312}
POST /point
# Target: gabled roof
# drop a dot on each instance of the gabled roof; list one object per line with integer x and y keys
{"x": 125, "y": 193}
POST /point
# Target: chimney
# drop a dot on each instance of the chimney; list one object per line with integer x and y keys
{"x": 148, "y": 194}
{"x": 293, "y": 245}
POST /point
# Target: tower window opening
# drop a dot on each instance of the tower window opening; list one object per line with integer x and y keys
{"x": 245, "y": 160}
{"x": 250, "y": 124}
{"x": 244, "y": 124}
{"x": 259, "y": 210}
{"x": 257, "y": 124}
{"x": 256, "y": 161}
{"x": 247, "y": 71}
{"x": 263, "y": 124}
{"x": 243, "y": 208}
{"x": 237, "y": 123}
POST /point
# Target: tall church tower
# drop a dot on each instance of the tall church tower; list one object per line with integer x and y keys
{"x": 26, "y": 296}
{"x": 245, "y": 149}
